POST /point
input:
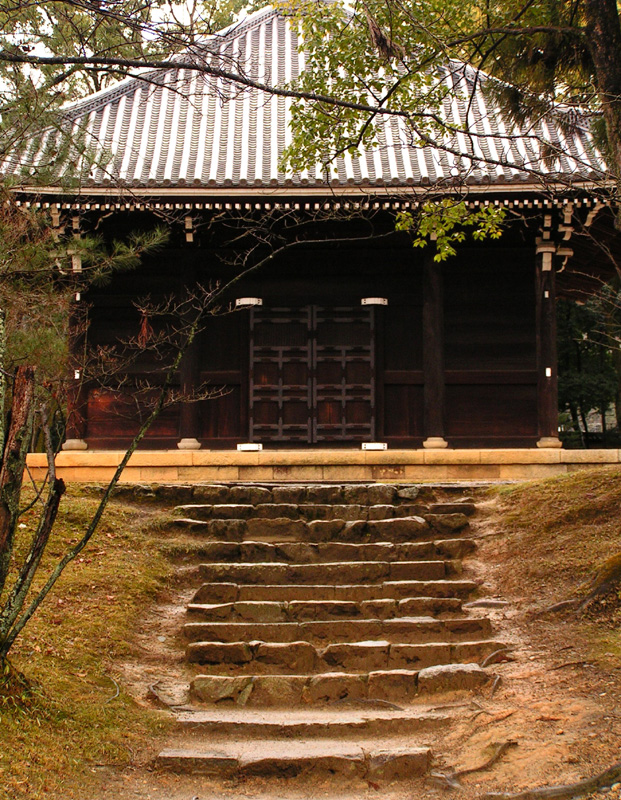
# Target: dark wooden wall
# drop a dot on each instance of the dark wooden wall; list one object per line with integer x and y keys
{"x": 491, "y": 381}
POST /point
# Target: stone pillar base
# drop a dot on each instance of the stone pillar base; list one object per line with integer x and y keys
{"x": 189, "y": 444}
{"x": 435, "y": 443}
{"x": 549, "y": 441}
{"x": 74, "y": 444}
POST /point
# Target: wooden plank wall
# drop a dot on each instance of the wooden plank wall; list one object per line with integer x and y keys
{"x": 491, "y": 387}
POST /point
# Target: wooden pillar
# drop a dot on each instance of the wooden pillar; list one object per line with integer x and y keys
{"x": 76, "y": 428}
{"x": 189, "y": 374}
{"x": 189, "y": 417}
{"x": 433, "y": 352}
{"x": 547, "y": 374}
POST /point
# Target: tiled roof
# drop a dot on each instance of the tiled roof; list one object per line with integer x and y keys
{"x": 181, "y": 128}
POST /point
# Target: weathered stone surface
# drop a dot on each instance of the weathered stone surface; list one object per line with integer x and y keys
{"x": 399, "y": 764}
{"x": 421, "y": 606}
{"x": 418, "y": 656}
{"x": 298, "y": 553}
{"x": 396, "y": 686}
{"x": 221, "y": 551}
{"x": 243, "y": 573}
{"x": 276, "y": 529}
{"x": 357, "y": 656}
{"x": 195, "y": 762}
{"x": 412, "y": 551}
{"x": 381, "y": 494}
{"x": 228, "y": 530}
{"x": 440, "y": 588}
{"x": 216, "y": 593}
{"x": 411, "y": 510}
{"x": 258, "y": 611}
{"x": 308, "y": 610}
{"x": 408, "y": 492}
{"x": 216, "y": 511}
{"x": 400, "y": 529}
{"x": 380, "y": 512}
{"x": 248, "y": 494}
{"x": 475, "y": 651}
{"x": 487, "y": 602}
{"x": 467, "y": 627}
{"x": 325, "y": 530}
{"x": 213, "y": 493}
{"x": 277, "y": 511}
{"x": 454, "y": 548}
{"x": 331, "y": 686}
{"x": 174, "y": 493}
{"x": 218, "y": 653}
{"x": 211, "y": 611}
{"x": 447, "y": 523}
{"x": 219, "y": 688}
{"x": 243, "y": 631}
{"x": 452, "y": 677}
{"x": 296, "y": 657}
{"x": 418, "y": 629}
{"x": 257, "y": 552}
{"x": 379, "y": 609}
{"x": 288, "y": 494}
{"x": 277, "y": 690}
{"x": 291, "y": 765}
{"x": 355, "y": 531}
{"x": 417, "y": 570}
{"x": 324, "y": 494}
{"x": 453, "y": 508}
{"x": 341, "y": 630}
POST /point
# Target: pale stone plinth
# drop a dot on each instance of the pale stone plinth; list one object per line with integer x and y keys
{"x": 549, "y": 441}
{"x": 435, "y": 443}
{"x": 75, "y": 444}
{"x": 189, "y": 444}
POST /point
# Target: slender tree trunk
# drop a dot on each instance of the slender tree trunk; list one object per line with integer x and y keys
{"x": 585, "y": 426}
{"x": 604, "y": 41}
{"x": 13, "y": 463}
{"x": 2, "y": 377}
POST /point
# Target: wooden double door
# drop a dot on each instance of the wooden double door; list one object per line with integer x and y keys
{"x": 312, "y": 374}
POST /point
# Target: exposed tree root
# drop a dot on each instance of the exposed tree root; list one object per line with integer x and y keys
{"x": 563, "y": 792}
{"x": 450, "y": 780}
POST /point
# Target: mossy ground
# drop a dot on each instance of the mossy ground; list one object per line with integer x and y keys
{"x": 74, "y": 717}
{"x": 559, "y": 537}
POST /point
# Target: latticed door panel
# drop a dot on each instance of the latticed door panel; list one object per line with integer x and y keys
{"x": 280, "y": 375}
{"x": 343, "y": 375}
{"x": 312, "y": 375}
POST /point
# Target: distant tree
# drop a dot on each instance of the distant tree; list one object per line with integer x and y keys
{"x": 588, "y": 378}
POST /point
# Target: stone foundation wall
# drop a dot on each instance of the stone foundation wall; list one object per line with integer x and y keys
{"x": 323, "y": 465}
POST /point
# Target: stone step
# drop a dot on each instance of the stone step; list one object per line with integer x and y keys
{"x": 309, "y": 511}
{"x": 305, "y": 610}
{"x": 386, "y": 760}
{"x": 283, "y": 529}
{"x": 343, "y": 571}
{"x": 229, "y": 592}
{"x": 303, "y": 657}
{"x": 371, "y": 718}
{"x": 404, "y": 629}
{"x": 394, "y": 686}
{"x": 307, "y": 553}
{"x": 318, "y": 511}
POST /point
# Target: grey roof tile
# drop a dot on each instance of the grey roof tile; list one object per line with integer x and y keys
{"x": 179, "y": 128}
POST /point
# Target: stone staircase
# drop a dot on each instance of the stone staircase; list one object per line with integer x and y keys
{"x": 327, "y": 620}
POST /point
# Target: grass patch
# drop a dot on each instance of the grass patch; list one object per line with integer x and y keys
{"x": 74, "y": 717}
{"x": 558, "y": 534}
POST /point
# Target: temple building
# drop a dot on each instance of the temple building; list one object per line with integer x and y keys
{"x": 346, "y": 335}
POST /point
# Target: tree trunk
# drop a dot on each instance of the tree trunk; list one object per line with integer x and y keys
{"x": 604, "y": 41}
{"x": 13, "y": 462}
